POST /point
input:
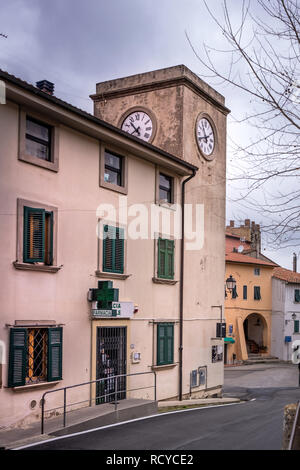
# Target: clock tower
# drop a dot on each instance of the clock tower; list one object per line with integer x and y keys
{"x": 176, "y": 111}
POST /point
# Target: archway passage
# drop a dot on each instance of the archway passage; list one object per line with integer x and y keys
{"x": 255, "y": 330}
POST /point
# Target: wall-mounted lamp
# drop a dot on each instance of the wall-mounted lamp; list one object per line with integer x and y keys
{"x": 294, "y": 316}
{"x": 230, "y": 283}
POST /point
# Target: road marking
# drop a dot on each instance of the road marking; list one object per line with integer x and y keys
{"x": 125, "y": 422}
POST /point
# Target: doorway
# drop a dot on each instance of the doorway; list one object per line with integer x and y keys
{"x": 111, "y": 361}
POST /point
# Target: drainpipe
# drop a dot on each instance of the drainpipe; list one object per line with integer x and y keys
{"x": 181, "y": 282}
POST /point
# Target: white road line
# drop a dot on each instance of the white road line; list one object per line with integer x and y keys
{"x": 124, "y": 422}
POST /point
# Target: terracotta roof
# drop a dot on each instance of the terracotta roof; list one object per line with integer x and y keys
{"x": 287, "y": 275}
{"x": 240, "y": 258}
{"x": 228, "y": 234}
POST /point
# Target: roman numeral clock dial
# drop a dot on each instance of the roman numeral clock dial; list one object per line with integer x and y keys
{"x": 139, "y": 124}
{"x": 205, "y": 137}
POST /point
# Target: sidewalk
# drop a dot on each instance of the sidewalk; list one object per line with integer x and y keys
{"x": 95, "y": 417}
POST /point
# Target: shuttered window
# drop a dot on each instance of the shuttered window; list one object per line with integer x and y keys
{"x": 296, "y": 326}
{"x": 297, "y": 295}
{"x": 38, "y": 236}
{"x": 35, "y": 355}
{"x": 257, "y": 295}
{"x": 165, "y": 261}
{"x": 113, "y": 249}
{"x": 234, "y": 293}
{"x": 245, "y": 292}
{"x": 165, "y": 343}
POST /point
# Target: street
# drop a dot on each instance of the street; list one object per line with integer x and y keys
{"x": 255, "y": 424}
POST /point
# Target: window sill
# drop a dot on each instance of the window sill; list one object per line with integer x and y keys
{"x": 167, "y": 205}
{"x": 26, "y": 388}
{"x": 159, "y": 280}
{"x": 36, "y": 267}
{"x": 105, "y": 275}
{"x": 33, "y": 160}
{"x": 114, "y": 187}
{"x": 164, "y": 366}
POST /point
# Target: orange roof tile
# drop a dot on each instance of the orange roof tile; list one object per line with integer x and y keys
{"x": 240, "y": 258}
{"x": 287, "y": 275}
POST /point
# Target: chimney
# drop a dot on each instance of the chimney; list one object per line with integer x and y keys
{"x": 232, "y": 223}
{"x": 45, "y": 86}
{"x": 247, "y": 222}
{"x": 294, "y": 262}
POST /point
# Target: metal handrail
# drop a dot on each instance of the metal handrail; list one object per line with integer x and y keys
{"x": 295, "y": 426}
{"x": 116, "y": 392}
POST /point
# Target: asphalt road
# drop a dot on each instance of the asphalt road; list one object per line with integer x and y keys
{"x": 256, "y": 424}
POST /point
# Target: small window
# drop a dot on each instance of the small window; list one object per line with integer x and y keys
{"x": 245, "y": 292}
{"x": 165, "y": 188}
{"x": 256, "y": 271}
{"x": 257, "y": 295}
{"x": 297, "y": 295}
{"x": 165, "y": 343}
{"x": 35, "y": 356}
{"x": 165, "y": 259}
{"x": 296, "y": 326}
{"x": 38, "y": 139}
{"x": 113, "y": 169}
{"x": 234, "y": 293}
{"x": 38, "y": 236}
{"x": 113, "y": 249}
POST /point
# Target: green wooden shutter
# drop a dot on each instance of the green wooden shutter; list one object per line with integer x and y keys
{"x": 165, "y": 343}
{"x": 119, "y": 251}
{"x": 297, "y": 295}
{"x": 34, "y": 235}
{"x": 113, "y": 249}
{"x": 165, "y": 258}
{"x": 17, "y": 357}
{"x": 49, "y": 245}
{"x": 55, "y": 343}
{"x": 296, "y": 326}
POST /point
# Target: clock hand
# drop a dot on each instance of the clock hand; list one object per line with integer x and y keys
{"x": 135, "y": 129}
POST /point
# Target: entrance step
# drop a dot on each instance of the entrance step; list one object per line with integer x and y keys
{"x": 260, "y": 359}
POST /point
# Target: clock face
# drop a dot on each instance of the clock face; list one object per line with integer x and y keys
{"x": 205, "y": 136}
{"x": 139, "y": 124}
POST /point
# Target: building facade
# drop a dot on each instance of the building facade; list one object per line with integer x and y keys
{"x": 286, "y": 312}
{"x": 248, "y": 308}
{"x": 96, "y": 280}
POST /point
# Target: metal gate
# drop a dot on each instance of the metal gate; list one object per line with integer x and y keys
{"x": 111, "y": 361}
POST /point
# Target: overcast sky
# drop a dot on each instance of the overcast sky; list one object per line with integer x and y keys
{"x": 76, "y": 43}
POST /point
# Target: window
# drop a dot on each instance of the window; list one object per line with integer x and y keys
{"x": 113, "y": 169}
{"x": 165, "y": 343}
{"x": 257, "y": 295}
{"x": 165, "y": 259}
{"x": 256, "y": 271}
{"x": 165, "y": 188}
{"x": 35, "y": 356}
{"x": 296, "y": 326}
{"x": 297, "y": 295}
{"x": 38, "y": 139}
{"x": 113, "y": 249}
{"x": 245, "y": 292}
{"x": 234, "y": 293}
{"x": 38, "y": 236}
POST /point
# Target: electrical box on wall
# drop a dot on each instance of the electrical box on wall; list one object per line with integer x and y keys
{"x": 135, "y": 357}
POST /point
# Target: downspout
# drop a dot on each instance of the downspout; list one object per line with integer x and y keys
{"x": 181, "y": 282}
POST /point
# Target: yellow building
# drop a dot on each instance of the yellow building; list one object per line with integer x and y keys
{"x": 248, "y": 307}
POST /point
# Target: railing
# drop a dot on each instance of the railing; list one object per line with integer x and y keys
{"x": 116, "y": 392}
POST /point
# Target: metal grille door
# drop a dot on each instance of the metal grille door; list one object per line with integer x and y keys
{"x": 111, "y": 361}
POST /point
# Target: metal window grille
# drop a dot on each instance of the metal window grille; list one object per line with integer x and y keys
{"x": 36, "y": 360}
